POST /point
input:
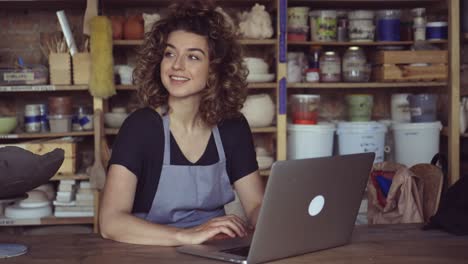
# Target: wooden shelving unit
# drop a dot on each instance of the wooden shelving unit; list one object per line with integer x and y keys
{"x": 272, "y": 129}
{"x": 373, "y": 43}
{"x": 269, "y": 85}
{"x": 75, "y": 176}
{"x": 369, "y": 85}
{"x": 122, "y": 42}
{"x": 50, "y": 220}
{"x": 46, "y": 135}
{"x": 42, "y": 88}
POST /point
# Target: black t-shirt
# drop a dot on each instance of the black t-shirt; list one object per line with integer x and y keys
{"x": 139, "y": 147}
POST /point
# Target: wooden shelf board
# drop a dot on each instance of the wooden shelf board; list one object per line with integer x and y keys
{"x": 372, "y": 43}
{"x": 46, "y": 135}
{"x": 366, "y": 85}
{"x": 369, "y": 4}
{"x": 125, "y": 87}
{"x": 124, "y": 42}
{"x": 59, "y": 177}
{"x": 269, "y": 85}
{"x": 50, "y": 220}
{"x": 272, "y": 129}
{"x": 42, "y": 88}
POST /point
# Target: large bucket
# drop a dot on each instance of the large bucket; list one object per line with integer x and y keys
{"x": 310, "y": 141}
{"x": 416, "y": 142}
{"x": 360, "y": 137}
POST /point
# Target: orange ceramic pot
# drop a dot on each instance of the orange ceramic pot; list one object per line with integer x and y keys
{"x": 117, "y": 26}
{"x": 134, "y": 27}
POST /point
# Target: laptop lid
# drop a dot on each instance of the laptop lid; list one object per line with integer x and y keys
{"x": 309, "y": 205}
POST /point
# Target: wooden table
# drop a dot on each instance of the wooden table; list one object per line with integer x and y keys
{"x": 377, "y": 244}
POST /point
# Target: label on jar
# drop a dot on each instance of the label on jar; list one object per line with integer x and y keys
{"x": 18, "y": 76}
{"x": 330, "y": 67}
{"x": 312, "y": 76}
{"x": 416, "y": 111}
{"x": 355, "y": 65}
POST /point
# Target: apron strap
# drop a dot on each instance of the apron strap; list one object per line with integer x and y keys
{"x": 219, "y": 144}
{"x": 167, "y": 140}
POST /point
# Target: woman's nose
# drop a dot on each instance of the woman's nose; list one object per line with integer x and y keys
{"x": 178, "y": 63}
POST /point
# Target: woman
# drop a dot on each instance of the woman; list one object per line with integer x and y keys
{"x": 172, "y": 170}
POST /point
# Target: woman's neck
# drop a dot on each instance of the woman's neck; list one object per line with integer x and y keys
{"x": 184, "y": 113}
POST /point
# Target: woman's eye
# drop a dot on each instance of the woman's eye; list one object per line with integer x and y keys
{"x": 168, "y": 54}
{"x": 193, "y": 57}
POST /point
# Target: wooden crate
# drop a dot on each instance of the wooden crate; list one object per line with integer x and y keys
{"x": 41, "y": 147}
{"x": 404, "y": 73}
{"x": 60, "y": 68}
{"x": 401, "y": 65}
{"x": 81, "y": 67}
{"x": 410, "y": 56}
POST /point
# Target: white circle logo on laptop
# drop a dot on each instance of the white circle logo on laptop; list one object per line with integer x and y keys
{"x": 316, "y": 205}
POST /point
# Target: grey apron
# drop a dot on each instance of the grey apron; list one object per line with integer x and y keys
{"x": 188, "y": 196}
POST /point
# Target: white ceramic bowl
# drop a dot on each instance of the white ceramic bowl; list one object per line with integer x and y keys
{"x": 114, "y": 120}
{"x": 256, "y": 65}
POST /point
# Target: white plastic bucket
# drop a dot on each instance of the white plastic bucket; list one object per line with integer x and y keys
{"x": 360, "y": 137}
{"x": 416, "y": 142}
{"x": 310, "y": 141}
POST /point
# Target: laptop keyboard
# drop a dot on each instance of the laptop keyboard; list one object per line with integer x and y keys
{"x": 240, "y": 251}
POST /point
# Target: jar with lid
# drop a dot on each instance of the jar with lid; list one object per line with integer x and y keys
{"x": 330, "y": 67}
{"x": 32, "y": 118}
{"x": 355, "y": 67}
{"x": 82, "y": 118}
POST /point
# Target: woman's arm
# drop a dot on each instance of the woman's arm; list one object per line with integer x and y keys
{"x": 250, "y": 189}
{"x": 117, "y": 223}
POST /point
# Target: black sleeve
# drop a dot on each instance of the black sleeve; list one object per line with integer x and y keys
{"x": 127, "y": 149}
{"x": 240, "y": 149}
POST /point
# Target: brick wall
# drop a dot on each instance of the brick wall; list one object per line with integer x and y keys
{"x": 20, "y": 32}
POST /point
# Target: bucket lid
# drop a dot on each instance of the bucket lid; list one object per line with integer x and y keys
{"x": 361, "y": 127}
{"x": 321, "y": 126}
{"x": 437, "y": 24}
{"x": 411, "y": 126}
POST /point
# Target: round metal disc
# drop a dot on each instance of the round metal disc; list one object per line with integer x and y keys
{"x": 12, "y": 250}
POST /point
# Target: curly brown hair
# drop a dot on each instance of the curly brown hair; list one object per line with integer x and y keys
{"x": 226, "y": 87}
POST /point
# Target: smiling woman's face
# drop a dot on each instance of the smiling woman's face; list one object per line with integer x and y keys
{"x": 185, "y": 64}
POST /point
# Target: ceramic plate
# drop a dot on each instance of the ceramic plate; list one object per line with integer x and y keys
{"x": 267, "y": 77}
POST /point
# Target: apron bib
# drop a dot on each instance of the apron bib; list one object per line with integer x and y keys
{"x": 188, "y": 196}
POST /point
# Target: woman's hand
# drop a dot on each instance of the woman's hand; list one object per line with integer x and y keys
{"x": 230, "y": 225}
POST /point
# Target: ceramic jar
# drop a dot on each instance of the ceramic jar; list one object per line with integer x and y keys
{"x": 355, "y": 67}
{"x": 259, "y": 110}
{"x": 117, "y": 26}
{"x": 134, "y": 28}
{"x": 330, "y": 67}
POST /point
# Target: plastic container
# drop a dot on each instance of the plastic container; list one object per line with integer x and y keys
{"x": 437, "y": 30}
{"x": 298, "y": 16}
{"x": 416, "y": 142}
{"x": 355, "y": 67}
{"x": 310, "y": 141}
{"x": 330, "y": 67}
{"x": 32, "y": 118}
{"x": 423, "y": 107}
{"x": 400, "y": 108}
{"x": 82, "y": 119}
{"x": 60, "y": 123}
{"x": 304, "y": 108}
{"x": 361, "y": 137}
{"x": 361, "y": 26}
{"x": 323, "y": 25}
{"x": 36, "y": 74}
{"x": 360, "y": 107}
{"x": 388, "y": 25}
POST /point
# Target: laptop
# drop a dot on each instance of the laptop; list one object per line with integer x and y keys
{"x": 309, "y": 205}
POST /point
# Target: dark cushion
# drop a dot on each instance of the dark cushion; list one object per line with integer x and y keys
{"x": 22, "y": 170}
